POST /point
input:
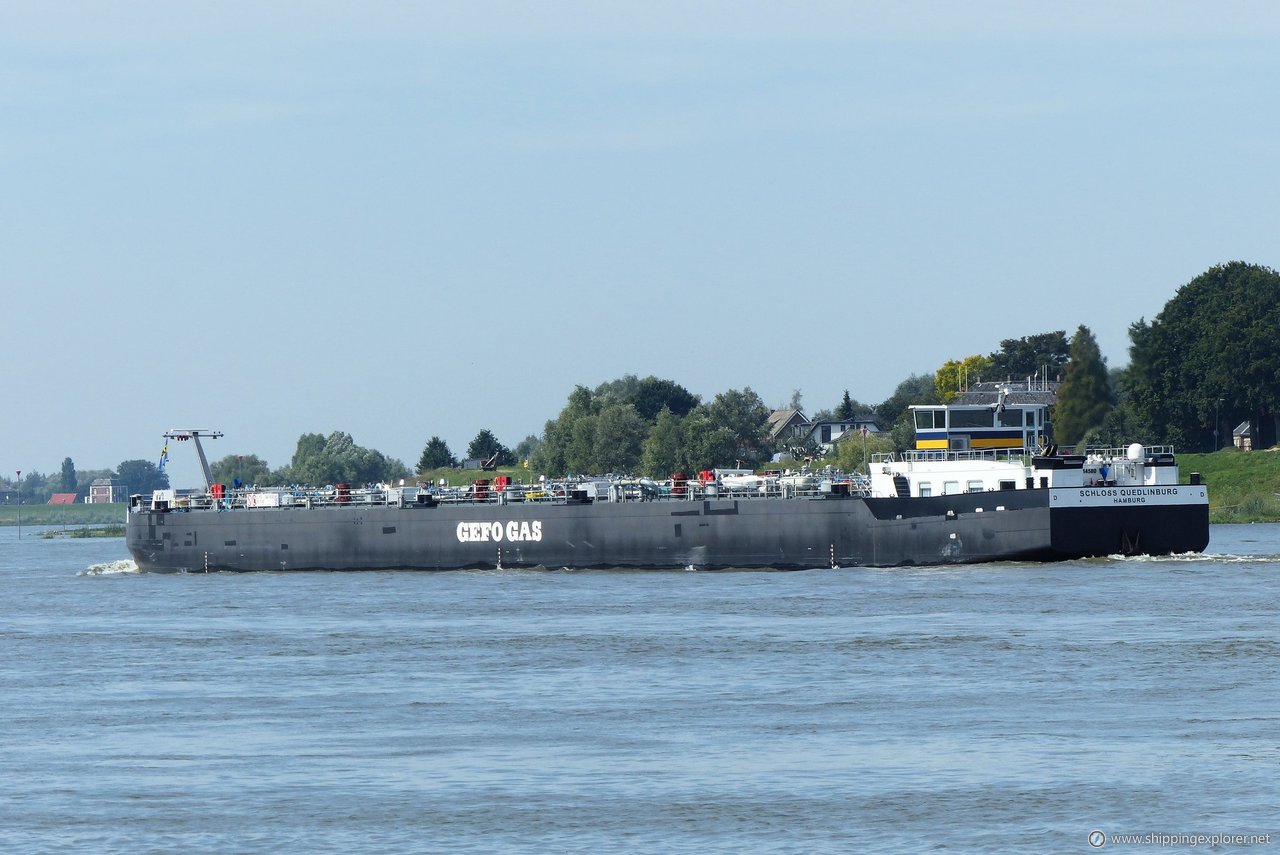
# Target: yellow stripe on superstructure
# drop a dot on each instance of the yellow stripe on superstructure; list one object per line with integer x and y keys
{"x": 924, "y": 444}
{"x": 995, "y": 443}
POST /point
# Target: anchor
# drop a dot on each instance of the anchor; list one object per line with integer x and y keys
{"x": 1129, "y": 546}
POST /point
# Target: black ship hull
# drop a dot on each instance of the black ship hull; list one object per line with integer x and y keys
{"x": 712, "y": 533}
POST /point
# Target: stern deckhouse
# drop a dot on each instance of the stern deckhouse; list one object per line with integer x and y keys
{"x": 961, "y": 427}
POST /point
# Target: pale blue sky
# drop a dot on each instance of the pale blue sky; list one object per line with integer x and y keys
{"x": 404, "y": 219}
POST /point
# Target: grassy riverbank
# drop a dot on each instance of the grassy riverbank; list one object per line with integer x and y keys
{"x": 1244, "y": 486}
{"x": 102, "y": 514}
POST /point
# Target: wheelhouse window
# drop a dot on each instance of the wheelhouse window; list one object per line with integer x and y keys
{"x": 1011, "y": 417}
{"x": 971, "y": 418}
{"x": 930, "y": 419}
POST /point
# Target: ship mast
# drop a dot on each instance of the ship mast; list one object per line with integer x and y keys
{"x": 195, "y": 434}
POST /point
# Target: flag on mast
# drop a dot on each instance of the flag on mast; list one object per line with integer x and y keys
{"x": 164, "y": 457}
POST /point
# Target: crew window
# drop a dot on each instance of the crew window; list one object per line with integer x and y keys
{"x": 975, "y": 486}
{"x": 950, "y": 488}
{"x": 926, "y": 489}
{"x": 1011, "y": 417}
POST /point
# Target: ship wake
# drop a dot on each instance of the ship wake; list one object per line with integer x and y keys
{"x": 1197, "y": 558}
{"x": 111, "y": 568}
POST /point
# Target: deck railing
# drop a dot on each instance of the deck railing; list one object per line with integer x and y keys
{"x": 552, "y": 492}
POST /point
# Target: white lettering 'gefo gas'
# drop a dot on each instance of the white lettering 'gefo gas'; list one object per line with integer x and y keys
{"x": 496, "y": 532}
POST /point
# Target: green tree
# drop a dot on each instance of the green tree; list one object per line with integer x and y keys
{"x": 847, "y": 408}
{"x": 1120, "y": 427}
{"x": 310, "y": 447}
{"x": 619, "y": 439}
{"x": 1123, "y": 423}
{"x": 436, "y": 455}
{"x": 903, "y": 433}
{"x": 622, "y": 390}
{"x": 548, "y": 457}
{"x": 853, "y": 453}
{"x": 745, "y": 419}
{"x": 584, "y": 439}
{"x": 718, "y": 448}
{"x": 707, "y": 445}
{"x": 141, "y": 476}
{"x": 486, "y": 446}
{"x": 336, "y": 459}
{"x": 916, "y": 389}
{"x": 68, "y": 484}
{"x": 1085, "y": 396}
{"x": 653, "y": 394}
{"x": 552, "y": 456}
{"x": 1024, "y": 357}
{"x": 1211, "y": 354}
{"x": 663, "y": 447}
{"x": 37, "y": 489}
{"x": 526, "y": 448}
{"x": 648, "y": 396}
{"x": 245, "y": 468}
{"x": 580, "y": 448}
{"x": 958, "y": 374}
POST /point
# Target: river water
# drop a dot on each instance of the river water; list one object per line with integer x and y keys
{"x": 996, "y": 708}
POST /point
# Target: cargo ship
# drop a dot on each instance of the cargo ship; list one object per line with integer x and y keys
{"x": 971, "y": 491}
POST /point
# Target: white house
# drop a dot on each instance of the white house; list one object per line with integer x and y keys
{"x": 827, "y": 434}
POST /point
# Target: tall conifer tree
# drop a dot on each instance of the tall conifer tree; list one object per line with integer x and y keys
{"x": 845, "y": 410}
{"x": 1085, "y": 396}
{"x": 68, "y": 482}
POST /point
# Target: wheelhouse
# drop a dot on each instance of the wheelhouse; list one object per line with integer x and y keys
{"x": 962, "y": 427}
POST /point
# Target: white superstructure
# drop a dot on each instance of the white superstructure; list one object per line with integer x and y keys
{"x": 945, "y": 473}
